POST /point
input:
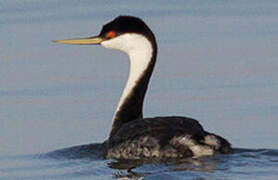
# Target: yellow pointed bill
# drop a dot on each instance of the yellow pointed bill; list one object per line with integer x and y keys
{"x": 81, "y": 41}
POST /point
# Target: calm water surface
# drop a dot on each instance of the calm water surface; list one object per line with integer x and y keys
{"x": 217, "y": 63}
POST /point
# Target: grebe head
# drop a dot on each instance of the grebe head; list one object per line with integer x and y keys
{"x": 124, "y": 33}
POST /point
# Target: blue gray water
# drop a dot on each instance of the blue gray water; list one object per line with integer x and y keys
{"x": 217, "y": 63}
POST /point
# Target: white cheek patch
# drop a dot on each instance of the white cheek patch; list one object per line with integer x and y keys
{"x": 126, "y": 42}
{"x": 117, "y": 43}
{"x": 139, "y": 49}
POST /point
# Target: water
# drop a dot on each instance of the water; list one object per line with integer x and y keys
{"x": 82, "y": 163}
{"x": 217, "y": 63}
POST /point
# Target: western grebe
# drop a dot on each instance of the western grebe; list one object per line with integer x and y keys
{"x": 135, "y": 137}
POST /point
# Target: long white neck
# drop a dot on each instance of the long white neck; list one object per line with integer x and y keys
{"x": 139, "y": 61}
{"x": 140, "y": 52}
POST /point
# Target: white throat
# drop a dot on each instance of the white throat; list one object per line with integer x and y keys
{"x": 139, "y": 49}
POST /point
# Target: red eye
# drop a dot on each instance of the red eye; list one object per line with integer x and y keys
{"x": 111, "y": 34}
